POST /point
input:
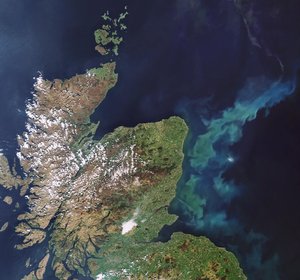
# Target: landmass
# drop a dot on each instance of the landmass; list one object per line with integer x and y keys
{"x": 99, "y": 205}
{"x": 4, "y": 227}
{"x": 8, "y": 200}
{"x": 8, "y": 176}
{"x": 183, "y": 257}
{"x": 108, "y": 37}
{"x": 40, "y": 271}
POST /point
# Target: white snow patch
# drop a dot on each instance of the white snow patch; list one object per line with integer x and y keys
{"x": 131, "y": 224}
{"x": 128, "y": 226}
{"x": 100, "y": 276}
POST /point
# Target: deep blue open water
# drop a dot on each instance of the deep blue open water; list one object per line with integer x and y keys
{"x": 193, "y": 59}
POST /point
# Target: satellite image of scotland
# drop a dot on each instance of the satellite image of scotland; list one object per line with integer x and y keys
{"x": 149, "y": 140}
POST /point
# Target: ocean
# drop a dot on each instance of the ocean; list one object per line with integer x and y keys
{"x": 188, "y": 58}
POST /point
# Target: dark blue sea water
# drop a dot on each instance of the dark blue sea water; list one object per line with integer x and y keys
{"x": 194, "y": 59}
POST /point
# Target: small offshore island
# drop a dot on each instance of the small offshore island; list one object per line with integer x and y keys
{"x": 99, "y": 205}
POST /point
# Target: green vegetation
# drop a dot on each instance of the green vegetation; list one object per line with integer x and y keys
{"x": 107, "y": 37}
{"x": 135, "y": 254}
{"x": 102, "y": 36}
{"x": 159, "y": 146}
{"x": 105, "y": 72}
{"x": 85, "y": 138}
{"x": 89, "y": 236}
{"x": 183, "y": 257}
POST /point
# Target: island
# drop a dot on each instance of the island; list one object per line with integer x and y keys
{"x": 97, "y": 206}
{"x": 108, "y": 37}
